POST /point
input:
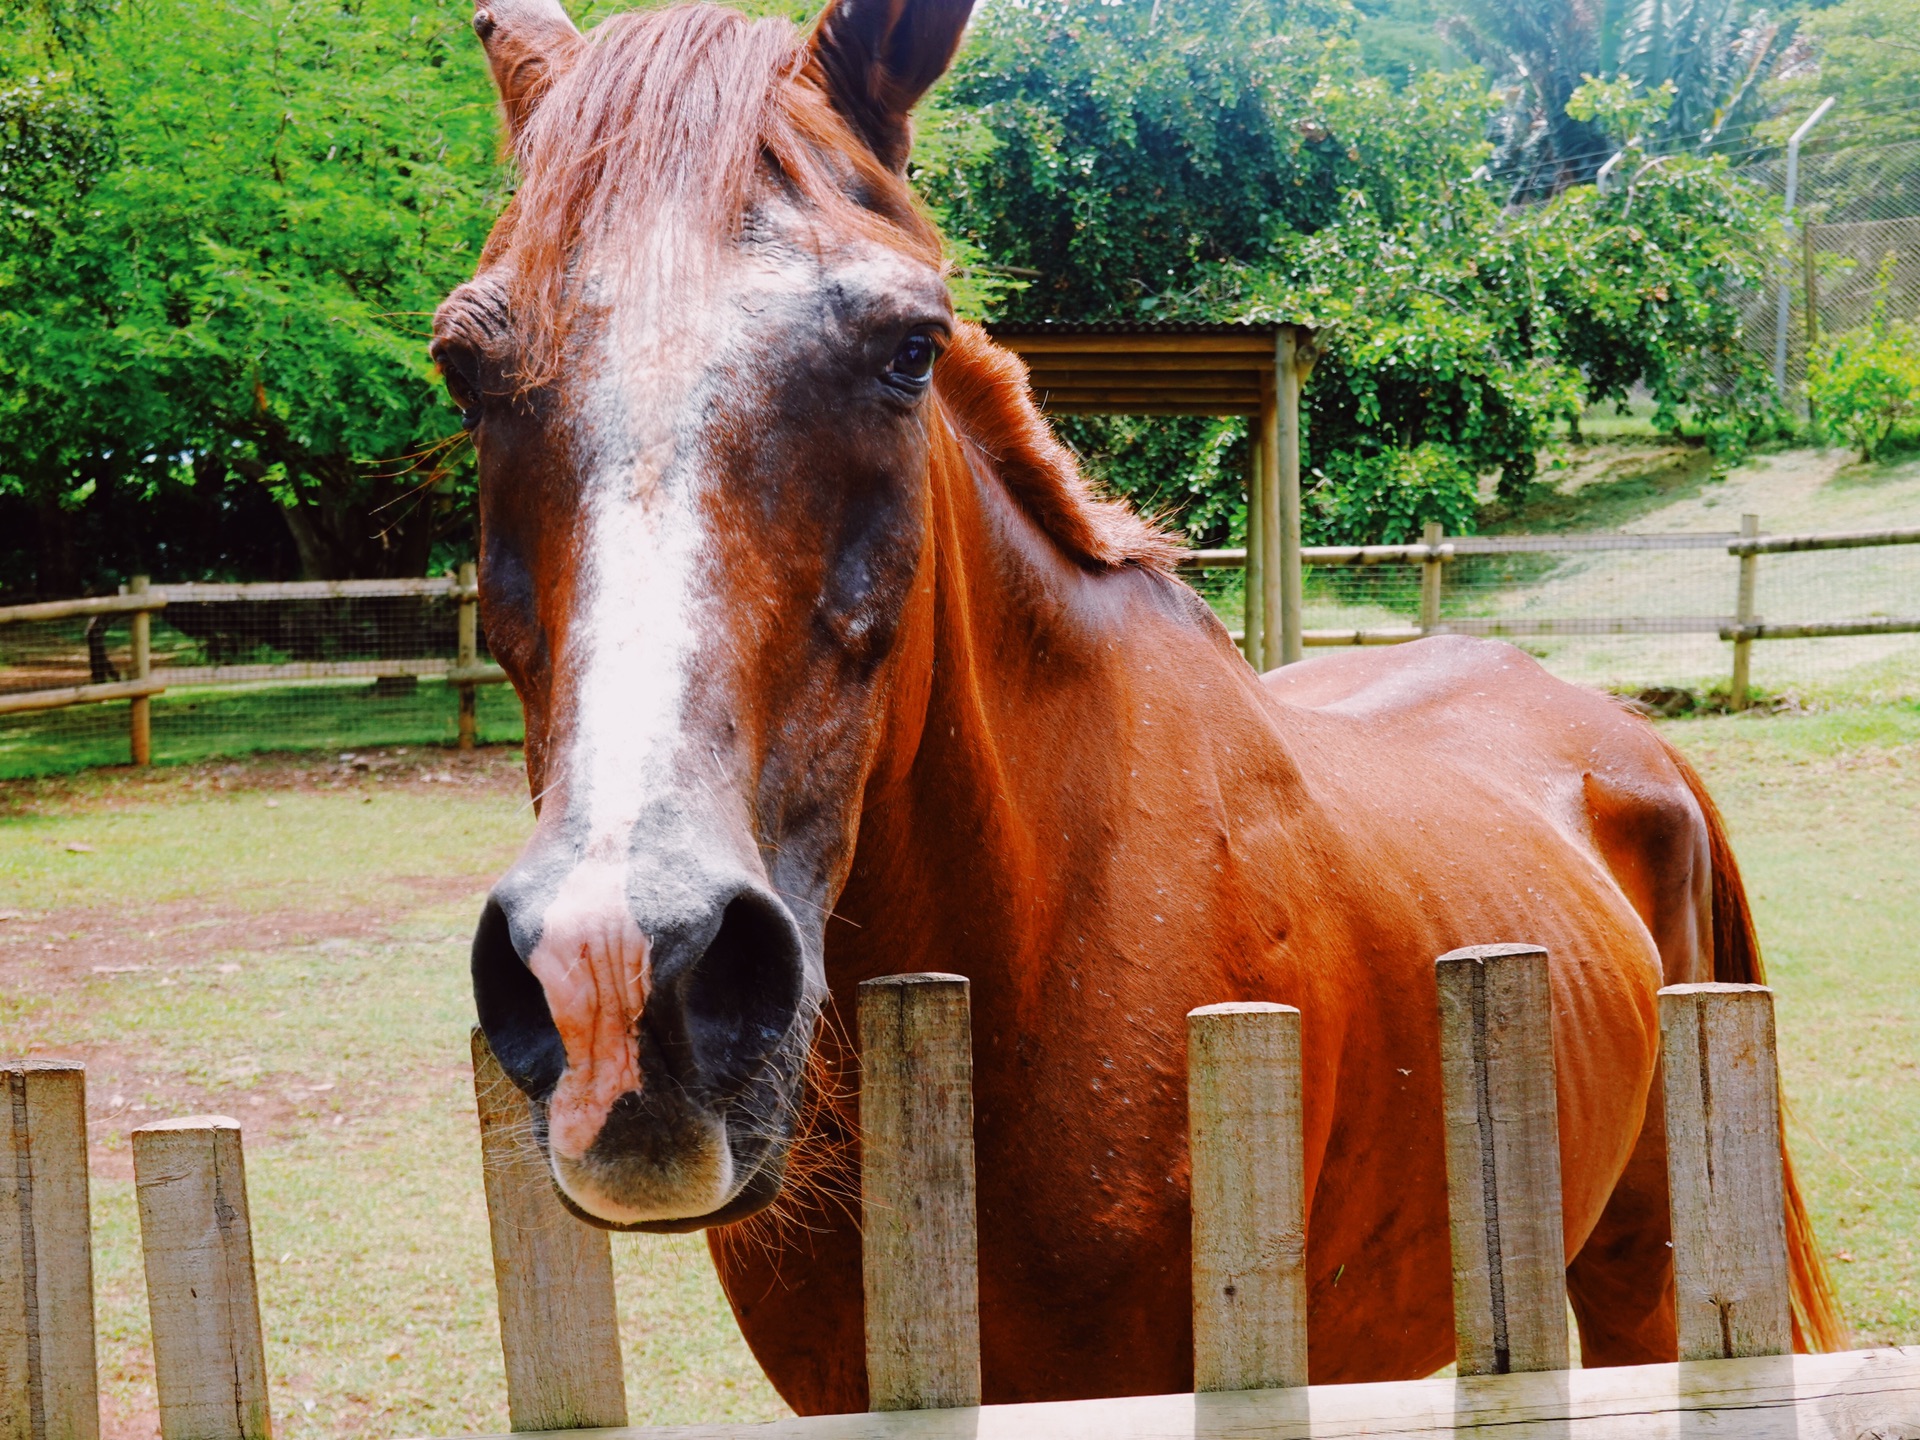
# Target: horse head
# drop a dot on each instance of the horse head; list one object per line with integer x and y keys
{"x": 695, "y": 362}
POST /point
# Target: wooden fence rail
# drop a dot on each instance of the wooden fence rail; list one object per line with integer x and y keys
{"x": 559, "y": 1329}
{"x": 1435, "y": 551}
{"x": 143, "y": 600}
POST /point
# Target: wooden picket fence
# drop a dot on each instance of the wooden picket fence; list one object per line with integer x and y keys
{"x": 1736, "y": 1376}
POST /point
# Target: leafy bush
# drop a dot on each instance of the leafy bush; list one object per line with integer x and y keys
{"x": 1388, "y": 496}
{"x": 1235, "y": 161}
{"x": 1866, "y": 383}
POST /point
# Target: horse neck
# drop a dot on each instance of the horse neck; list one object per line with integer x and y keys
{"x": 1038, "y": 706}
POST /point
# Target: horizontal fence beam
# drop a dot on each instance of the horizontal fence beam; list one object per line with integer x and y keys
{"x": 91, "y": 605}
{"x": 1809, "y": 1397}
{"x": 1587, "y": 625}
{"x": 445, "y": 586}
{"x": 21, "y": 701}
{"x": 1325, "y": 555}
{"x": 1579, "y": 544}
{"x": 1821, "y": 629}
{"x": 1834, "y": 540}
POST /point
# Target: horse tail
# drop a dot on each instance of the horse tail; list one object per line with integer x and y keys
{"x": 1817, "y": 1324}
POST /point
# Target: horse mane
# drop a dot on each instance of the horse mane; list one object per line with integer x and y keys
{"x": 675, "y": 114}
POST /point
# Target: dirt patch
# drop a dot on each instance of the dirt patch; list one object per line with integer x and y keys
{"x": 496, "y": 768}
{"x": 1673, "y": 702}
{"x": 71, "y": 946}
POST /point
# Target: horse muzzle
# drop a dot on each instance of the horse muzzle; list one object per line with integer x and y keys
{"x": 660, "y": 1045}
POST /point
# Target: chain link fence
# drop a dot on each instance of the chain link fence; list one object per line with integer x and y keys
{"x": 1857, "y": 219}
{"x": 249, "y": 668}
{"x": 279, "y": 667}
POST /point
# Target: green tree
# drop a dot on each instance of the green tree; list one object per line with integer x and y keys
{"x": 1714, "y": 55}
{"x": 236, "y": 293}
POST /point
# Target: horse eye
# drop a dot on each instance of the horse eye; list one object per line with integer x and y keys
{"x": 460, "y": 374}
{"x": 912, "y": 365}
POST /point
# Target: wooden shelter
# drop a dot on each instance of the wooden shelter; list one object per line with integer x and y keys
{"x": 1189, "y": 368}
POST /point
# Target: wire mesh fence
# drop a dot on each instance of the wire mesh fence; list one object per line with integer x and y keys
{"x": 1635, "y": 614}
{"x": 293, "y": 667}
{"x": 249, "y": 668}
{"x": 1857, "y": 218}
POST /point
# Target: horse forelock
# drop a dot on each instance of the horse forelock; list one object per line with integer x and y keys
{"x": 675, "y": 118}
{"x": 668, "y": 120}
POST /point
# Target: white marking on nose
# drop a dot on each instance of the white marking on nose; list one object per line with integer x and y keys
{"x": 591, "y": 961}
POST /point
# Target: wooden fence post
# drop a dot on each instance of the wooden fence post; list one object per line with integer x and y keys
{"x": 917, "y": 1213}
{"x": 468, "y": 653}
{"x": 1724, "y": 1178}
{"x": 1743, "y": 616}
{"x": 1431, "y": 570}
{"x": 48, "y": 1384}
{"x": 1503, "y": 1159}
{"x": 553, "y": 1274}
{"x": 1253, "y": 604}
{"x": 1291, "y": 599}
{"x": 1249, "y": 1197}
{"x": 140, "y": 717}
{"x": 209, "y": 1361}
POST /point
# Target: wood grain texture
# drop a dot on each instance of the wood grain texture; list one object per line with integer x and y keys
{"x": 1272, "y": 573}
{"x": 209, "y": 1362}
{"x": 48, "y": 1381}
{"x": 1432, "y": 573}
{"x": 1288, "y": 362}
{"x": 1724, "y": 1181}
{"x": 1503, "y": 1159}
{"x": 552, "y": 1274}
{"x": 1249, "y": 1197}
{"x": 140, "y": 647}
{"x": 1846, "y": 1396}
{"x": 1253, "y": 601}
{"x": 1743, "y": 616}
{"x": 467, "y": 652}
{"x": 917, "y": 1209}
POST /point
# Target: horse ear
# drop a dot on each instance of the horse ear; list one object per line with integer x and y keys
{"x": 879, "y": 57}
{"x": 530, "y": 44}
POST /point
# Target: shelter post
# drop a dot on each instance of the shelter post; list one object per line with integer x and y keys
{"x": 1273, "y": 567}
{"x": 1290, "y": 357}
{"x": 1253, "y": 611}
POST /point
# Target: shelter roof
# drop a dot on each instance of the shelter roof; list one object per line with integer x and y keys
{"x": 1168, "y": 367}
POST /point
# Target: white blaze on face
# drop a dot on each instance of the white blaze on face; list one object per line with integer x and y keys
{"x": 671, "y": 321}
{"x": 630, "y": 649}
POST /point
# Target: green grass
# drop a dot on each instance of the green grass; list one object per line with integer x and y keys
{"x": 196, "y": 724}
{"x": 1825, "y": 816}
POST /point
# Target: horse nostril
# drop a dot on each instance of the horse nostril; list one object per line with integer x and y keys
{"x": 745, "y": 991}
{"x": 513, "y": 1008}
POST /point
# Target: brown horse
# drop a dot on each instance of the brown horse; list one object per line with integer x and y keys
{"x": 834, "y": 667}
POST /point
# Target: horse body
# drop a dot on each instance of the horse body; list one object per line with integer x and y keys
{"x": 834, "y": 667}
{"x": 1104, "y": 819}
